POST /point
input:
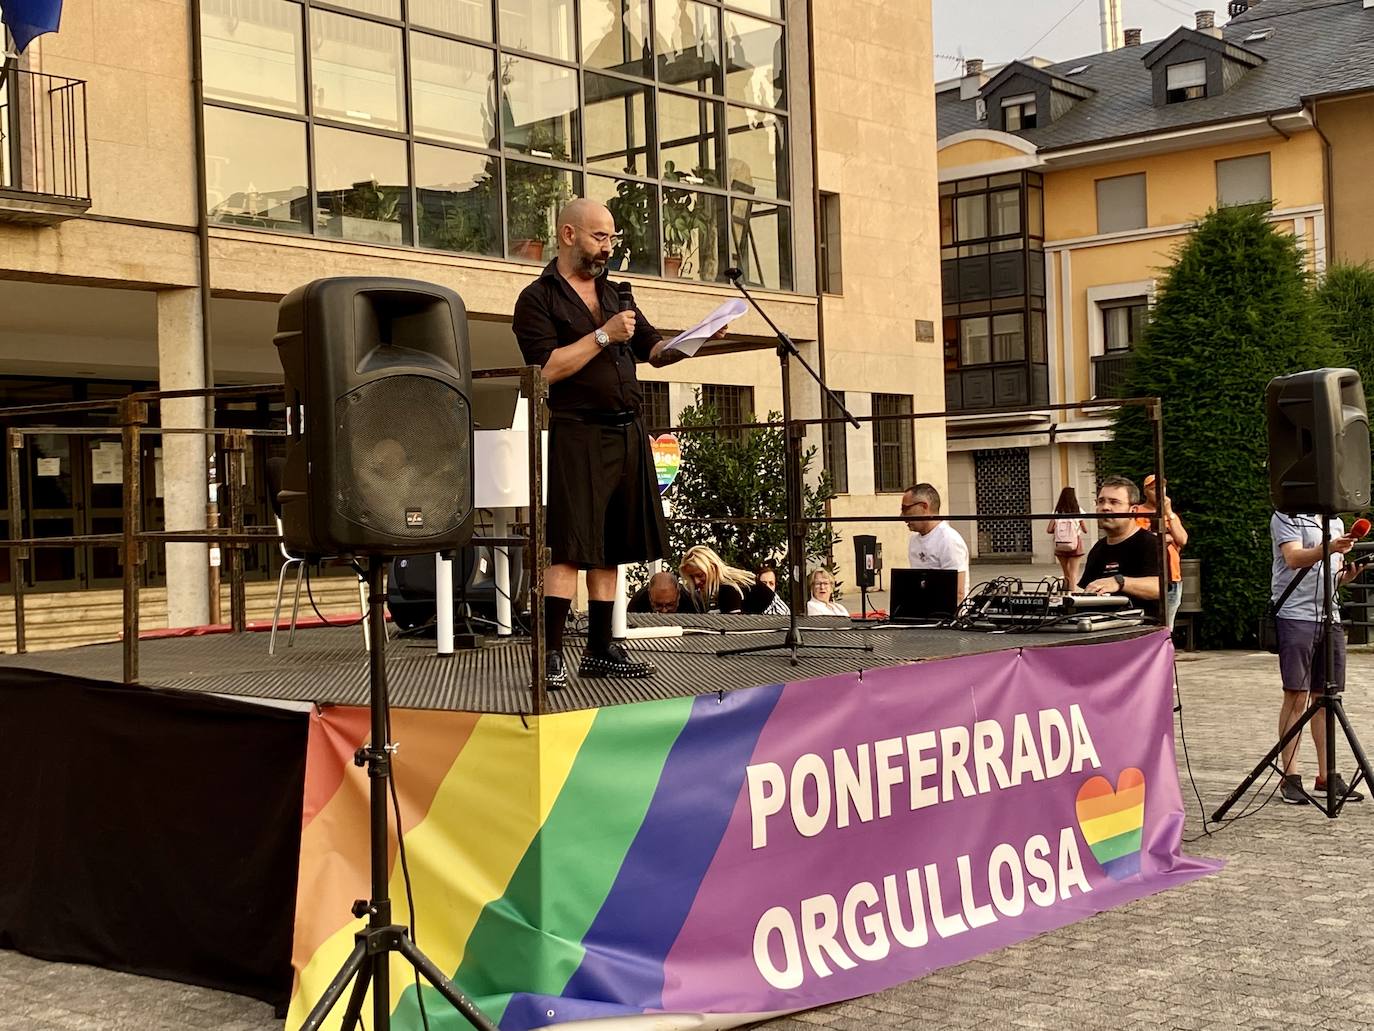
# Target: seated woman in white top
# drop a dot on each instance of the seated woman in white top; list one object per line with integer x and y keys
{"x": 821, "y": 585}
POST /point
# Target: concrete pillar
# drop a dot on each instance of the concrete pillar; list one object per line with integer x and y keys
{"x": 181, "y": 366}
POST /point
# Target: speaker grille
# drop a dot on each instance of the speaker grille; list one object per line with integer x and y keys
{"x": 402, "y": 457}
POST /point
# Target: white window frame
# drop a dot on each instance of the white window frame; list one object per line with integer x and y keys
{"x": 1098, "y": 296}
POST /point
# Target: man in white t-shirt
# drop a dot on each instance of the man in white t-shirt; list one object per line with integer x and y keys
{"x": 934, "y": 543}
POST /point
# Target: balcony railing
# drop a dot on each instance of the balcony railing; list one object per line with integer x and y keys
{"x": 1109, "y": 373}
{"x": 45, "y": 169}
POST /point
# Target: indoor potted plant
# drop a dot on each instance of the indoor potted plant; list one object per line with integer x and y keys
{"x": 534, "y": 193}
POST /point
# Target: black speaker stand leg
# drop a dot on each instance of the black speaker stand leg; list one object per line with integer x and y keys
{"x": 370, "y": 960}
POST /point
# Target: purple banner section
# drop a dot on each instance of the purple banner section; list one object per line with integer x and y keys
{"x": 914, "y": 817}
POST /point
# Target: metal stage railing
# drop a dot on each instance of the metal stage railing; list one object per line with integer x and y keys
{"x": 132, "y": 422}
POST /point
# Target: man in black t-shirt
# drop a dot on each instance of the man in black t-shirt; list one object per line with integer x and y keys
{"x": 1126, "y": 560}
{"x": 603, "y": 500}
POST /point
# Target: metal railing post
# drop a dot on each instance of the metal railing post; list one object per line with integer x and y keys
{"x": 234, "y": 441}
{"x": 132, "y": 415}
{"x": 18, "y": 555}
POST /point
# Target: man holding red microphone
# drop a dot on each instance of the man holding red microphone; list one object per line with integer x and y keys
{"x": 1297, "y": 550}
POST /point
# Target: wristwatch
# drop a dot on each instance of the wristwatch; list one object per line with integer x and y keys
{"x": 1120, "y": 582}
{"x": 601, "y": 337}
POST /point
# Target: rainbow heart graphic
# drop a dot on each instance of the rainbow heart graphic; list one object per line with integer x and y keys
{"x": 667, "y": 459}
{"x": 1112, "y": 821}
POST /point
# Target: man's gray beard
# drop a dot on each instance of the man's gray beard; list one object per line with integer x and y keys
{"x": 591, "y": 266}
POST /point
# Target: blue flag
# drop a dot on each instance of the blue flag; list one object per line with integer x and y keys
{"x": 29, "y": 18}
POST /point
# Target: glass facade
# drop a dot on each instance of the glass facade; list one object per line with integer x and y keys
{"x": 464, "y": 125}
{"x": 992, "y": 273}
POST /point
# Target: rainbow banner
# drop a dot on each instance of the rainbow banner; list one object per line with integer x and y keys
{"x": 779, "y": 848}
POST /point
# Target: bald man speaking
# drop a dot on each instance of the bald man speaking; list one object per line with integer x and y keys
{"x": 604, "y": 507}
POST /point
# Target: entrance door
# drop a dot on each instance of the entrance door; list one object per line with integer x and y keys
{"x": 1003, "y": 488}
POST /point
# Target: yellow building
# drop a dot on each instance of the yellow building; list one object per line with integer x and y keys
{"x": 170, "y": 170}
{"x": 1064, "y": 190}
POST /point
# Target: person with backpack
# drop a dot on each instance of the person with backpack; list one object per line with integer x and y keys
{"x": 1069, "y": 533}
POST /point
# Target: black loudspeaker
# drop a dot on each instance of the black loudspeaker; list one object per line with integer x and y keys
{"x": 868, "y": 559}
{"x": 379, "y": 425}
{"x": 1318, "y": 442}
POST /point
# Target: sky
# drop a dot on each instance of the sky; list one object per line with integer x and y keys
{"x": 1001, "y": 30}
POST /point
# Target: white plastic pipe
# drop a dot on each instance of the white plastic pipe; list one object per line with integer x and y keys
{"x": 443, "y": 605}
{"x": 503, "y": 577}
{"x": 619, "y": 625}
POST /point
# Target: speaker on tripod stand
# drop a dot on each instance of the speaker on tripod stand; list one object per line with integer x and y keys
{"x": 378, "y": 463}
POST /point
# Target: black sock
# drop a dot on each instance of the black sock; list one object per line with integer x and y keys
{"x": 599, "y": 626}
{"x": 555, "y": 619}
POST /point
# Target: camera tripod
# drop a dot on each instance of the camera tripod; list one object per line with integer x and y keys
{"x": 1327, "y": 705}
{"x": 369, "y": 962}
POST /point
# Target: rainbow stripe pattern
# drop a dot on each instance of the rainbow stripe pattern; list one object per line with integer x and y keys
{"x": 1112, "y": 821}
{"x": 602, "y": 863}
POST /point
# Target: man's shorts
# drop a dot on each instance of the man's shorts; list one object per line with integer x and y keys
{"x": 1302, "y": 654}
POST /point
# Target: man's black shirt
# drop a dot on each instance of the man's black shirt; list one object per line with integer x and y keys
{"x": 1137, "y": 555}
{"x": 550, "y": 315}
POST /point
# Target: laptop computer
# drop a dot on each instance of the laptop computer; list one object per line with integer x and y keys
{"x": 923, "y": 595}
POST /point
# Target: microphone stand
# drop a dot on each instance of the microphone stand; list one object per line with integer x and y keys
{"x": 796, "y": 539}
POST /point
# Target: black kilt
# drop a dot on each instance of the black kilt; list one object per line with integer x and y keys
{"x": 604, "y": 508}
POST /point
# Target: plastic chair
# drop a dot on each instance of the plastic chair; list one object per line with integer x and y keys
{"x": 289, "y": 559}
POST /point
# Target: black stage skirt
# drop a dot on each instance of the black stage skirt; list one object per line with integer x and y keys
{"x": 604, "y": 508}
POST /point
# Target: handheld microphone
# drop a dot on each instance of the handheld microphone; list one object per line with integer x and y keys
{"x": 626, "y": 294}
{"x": 1359, "y": 528}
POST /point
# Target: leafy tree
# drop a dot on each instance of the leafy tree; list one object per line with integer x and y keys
{"x": 741, "y": 474}
{"x": 1346, "y": 297}
{"x": 1235, "y": 310}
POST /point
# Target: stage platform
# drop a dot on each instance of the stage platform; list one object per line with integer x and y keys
{"x": 328, "y": 665}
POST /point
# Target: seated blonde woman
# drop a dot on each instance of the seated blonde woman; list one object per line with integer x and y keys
{"x": 720, "y": 588}
{"x": 821, "y": 586}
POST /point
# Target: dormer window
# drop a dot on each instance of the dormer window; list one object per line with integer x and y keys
{"x": 1018, "y": 112}
{"x": 1186, "y": 80}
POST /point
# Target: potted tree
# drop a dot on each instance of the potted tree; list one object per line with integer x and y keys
{"x": 370, "y": 213}
{"x": 632, "y": 207}
{"x": 534, "y": 193}
{"x": 686, "y": 218}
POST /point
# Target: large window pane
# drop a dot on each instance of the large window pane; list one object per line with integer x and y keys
{"x": 692, "y": 225}
{"x": 758, "y": 152}
{"x": 355, "y": 71}
{"x": 254, "y": 55}
{"x": 616, "y": 120}
{"x": 451, "y": 90}
{"x": 470, "y": 18}
{"x": 384, "y": 8}
{"x": 539, "y": 105}
{"x": 755, "y": 71}
{"x": 459, "y": 206}
{"x": 362, "y": 187}
{"x": 539, "y": 26}
{"x": 761, "y": 242}
{"x": 615, "y": 35}
{"x": 768, "y": 8}
{"x": 534, "y": 193}
{"x": 687, "y": 41}
{"x": 689, "y": 137}
{"x": 972, "y": 217}
{"x": 634, "y": 206}
{"x": 255, "y": 168}
{"x": 1009, "y": 337}
{"x": 974, "y": 346}
{"x": 894, "y": 445}
{"x": 1006, "y": 212}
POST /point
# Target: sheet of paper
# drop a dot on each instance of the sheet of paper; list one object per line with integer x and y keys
{"x": 690, "y": 339}
{"x": 107, "y": 463}
{"x": 50, "y": 467}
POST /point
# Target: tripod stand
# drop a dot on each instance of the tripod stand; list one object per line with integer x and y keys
{"x": 369, "y": 962}
{"x": 1327, "y": 704}
{"x": 796, "y": 540}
